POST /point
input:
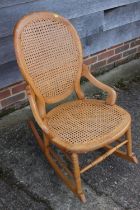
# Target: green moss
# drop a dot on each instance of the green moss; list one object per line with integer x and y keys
{"x": 125, "y": 84}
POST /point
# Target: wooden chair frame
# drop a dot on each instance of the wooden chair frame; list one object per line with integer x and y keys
{"x": 71, "y": 178}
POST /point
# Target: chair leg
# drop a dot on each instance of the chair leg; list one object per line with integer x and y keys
{"x": 36, "y": 134}
{"x": 73, "y": 183}
{"x": 76, "y": 170}
{"x": 129, "y": 146}
{"x": 57, "y": 169}
{"x": 128, "y": 155}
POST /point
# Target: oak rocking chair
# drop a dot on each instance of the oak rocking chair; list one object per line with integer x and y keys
{"x": 49, "y": 55}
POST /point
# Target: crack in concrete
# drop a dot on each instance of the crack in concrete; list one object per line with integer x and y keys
{"x": 8, "y": 177}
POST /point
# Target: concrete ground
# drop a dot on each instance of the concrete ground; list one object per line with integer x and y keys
{"x": 27, "y": 182}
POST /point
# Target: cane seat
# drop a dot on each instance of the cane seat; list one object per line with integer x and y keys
{"x": 87, "y": 124}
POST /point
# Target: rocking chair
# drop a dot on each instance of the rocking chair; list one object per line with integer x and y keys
{"x": 49, "y": 55}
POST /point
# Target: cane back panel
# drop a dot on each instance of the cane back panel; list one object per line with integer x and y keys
{"x": 49, "y": 53}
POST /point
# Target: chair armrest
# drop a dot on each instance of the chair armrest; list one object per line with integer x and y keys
{"x": 34, "y": 108}
{"x": 111, "y": 98}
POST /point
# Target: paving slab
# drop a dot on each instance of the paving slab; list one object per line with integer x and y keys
{"x": 28, "y": 182}
{"x": 23, "y": 165}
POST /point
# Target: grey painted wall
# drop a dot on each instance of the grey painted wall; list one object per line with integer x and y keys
{"x": 100, "y": 24}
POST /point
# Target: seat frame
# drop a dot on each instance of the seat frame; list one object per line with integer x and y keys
{"x": 72, "y": 178}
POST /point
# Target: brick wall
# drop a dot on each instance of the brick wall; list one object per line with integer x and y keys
{"x": 114, "y": 56}
{"x": 14, "y": 97}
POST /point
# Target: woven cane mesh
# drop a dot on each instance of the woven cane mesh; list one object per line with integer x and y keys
{"x": 51, "y": 55}
{"x": 85, "y": 121}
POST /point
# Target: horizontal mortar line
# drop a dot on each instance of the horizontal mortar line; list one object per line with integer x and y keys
{"x": 14, "y": 94}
